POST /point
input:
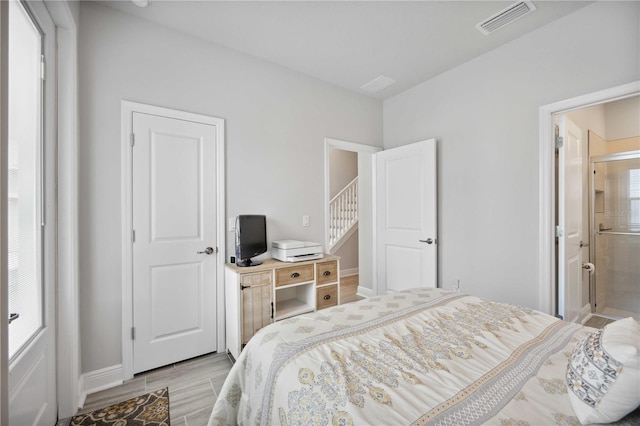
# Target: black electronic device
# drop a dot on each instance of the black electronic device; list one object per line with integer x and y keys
{"x": 251, "y": 238}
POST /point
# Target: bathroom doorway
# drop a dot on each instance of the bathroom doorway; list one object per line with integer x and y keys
{"x": 609, "y": 280}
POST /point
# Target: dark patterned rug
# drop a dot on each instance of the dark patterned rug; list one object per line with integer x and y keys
{"x": 151, "y": 409}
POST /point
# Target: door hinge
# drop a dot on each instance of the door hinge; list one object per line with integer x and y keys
{"x": 42, "y": 68}
{"x": 558, "y": 231}
{"x": 133, "y": 333}
{"x": 133, "y": 235}
{"x": 132, "y": 139}
{"x": 558, "y": 139}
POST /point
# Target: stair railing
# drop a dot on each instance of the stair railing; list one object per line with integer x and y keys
{"x": 343, "y": 212}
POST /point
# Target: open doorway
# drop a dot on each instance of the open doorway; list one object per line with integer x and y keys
{"x": 607, "y": 141}
{"x": 349, "y": 215}
{"x": 615, "y": 240}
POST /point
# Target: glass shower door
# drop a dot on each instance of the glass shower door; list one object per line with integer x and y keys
{"x": 616, "y": 230}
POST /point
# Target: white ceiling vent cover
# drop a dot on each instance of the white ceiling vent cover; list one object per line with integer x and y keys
{"x": 505, "y": 17}
{"x": 378, "y": 83}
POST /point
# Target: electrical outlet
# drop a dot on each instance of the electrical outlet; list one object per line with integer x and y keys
{"x": 232, "y": 224}
{"x": 305, "y": 220}
{"x": 456, "y": 285}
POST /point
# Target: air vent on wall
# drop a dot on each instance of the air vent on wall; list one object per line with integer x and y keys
{"x": 505, "y": 17}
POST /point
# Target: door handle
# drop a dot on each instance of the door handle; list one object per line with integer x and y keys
{"x": 208, "y": 250}
{"x": 428, "y": 241}
{"x": 13, "y": 317}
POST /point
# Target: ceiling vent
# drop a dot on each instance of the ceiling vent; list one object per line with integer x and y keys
{"x": 141, "y": 3}
{"x": 378, "y": 83}
{"x": 505, "y": 17}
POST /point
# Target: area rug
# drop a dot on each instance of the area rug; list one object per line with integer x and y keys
{"x": 150, "y": 409}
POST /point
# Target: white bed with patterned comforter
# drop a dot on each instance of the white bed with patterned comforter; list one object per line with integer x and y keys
{"x": 425, "y": 356}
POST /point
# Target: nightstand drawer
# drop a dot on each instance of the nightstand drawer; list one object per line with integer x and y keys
{"x": 294, "y": 275}
{"x": 327, "y": 296}
{"x": 327, "y": 272}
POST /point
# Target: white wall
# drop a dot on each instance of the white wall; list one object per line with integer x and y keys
{"x": 623, "y": 118}
{"x": 344, "y": 169}
{"x": 349, "y": 253}
{"x": 485, "y": 115}
{"x": 590, "y": 118}
{"x": 276, "y": 122}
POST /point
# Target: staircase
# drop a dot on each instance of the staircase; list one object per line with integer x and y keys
{"x": 343, "y": 215}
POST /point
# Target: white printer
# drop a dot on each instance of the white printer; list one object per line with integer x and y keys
{"x": 295, "y": 251}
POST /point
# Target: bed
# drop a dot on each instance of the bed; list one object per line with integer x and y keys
{"x": 424, "y": 356}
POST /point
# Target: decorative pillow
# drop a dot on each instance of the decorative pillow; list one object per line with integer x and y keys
{"x": 603, "y": 375}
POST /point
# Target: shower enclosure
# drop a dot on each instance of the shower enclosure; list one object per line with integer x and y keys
{"x": 615, "y": 225}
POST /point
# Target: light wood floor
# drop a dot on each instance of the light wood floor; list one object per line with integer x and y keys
{"x": 348, "y": 289}
{"x": 193, "y": 385}
{"x": 597, "y": 321}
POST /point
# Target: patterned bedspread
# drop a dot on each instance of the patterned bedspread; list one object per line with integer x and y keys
{"x": 425, "y": 356}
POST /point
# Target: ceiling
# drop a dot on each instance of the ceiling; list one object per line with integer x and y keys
{"x": 349, "y": 43}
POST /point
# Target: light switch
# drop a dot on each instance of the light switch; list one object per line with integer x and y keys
{"x": 305, "y": 220}
{"x": 232, "y": 224}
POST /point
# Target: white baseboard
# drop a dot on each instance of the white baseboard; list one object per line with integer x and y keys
{"x": 348, "y": 272}
{"x": 585, "y": 313}
{"x": 580, "y": 317}
{"x": 364, "y": 291}
{"x": 98, "y": 380}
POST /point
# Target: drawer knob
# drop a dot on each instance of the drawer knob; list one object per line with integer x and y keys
{"x": 326, "y": 273}
{"x": 327, "y": 297}
{"x": 295, "y": 275}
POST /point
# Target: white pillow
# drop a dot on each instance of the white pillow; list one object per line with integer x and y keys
{"x": 603, "y": 374}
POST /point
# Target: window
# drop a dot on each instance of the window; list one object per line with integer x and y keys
{"x": 25, "y": 177}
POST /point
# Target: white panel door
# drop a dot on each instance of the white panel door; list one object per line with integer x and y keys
{"x": 174, "y": 252}
{"x": 570, "y": 221}
{"x": 31, "y": 240}
{"x": 406, "y": 208}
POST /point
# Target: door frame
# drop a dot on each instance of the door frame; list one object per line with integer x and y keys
{"x": 68, "y": 305}
{"x": 547, "y": 176}
{"x": 358, "y": 148}
{"x": 127, "y": 110}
